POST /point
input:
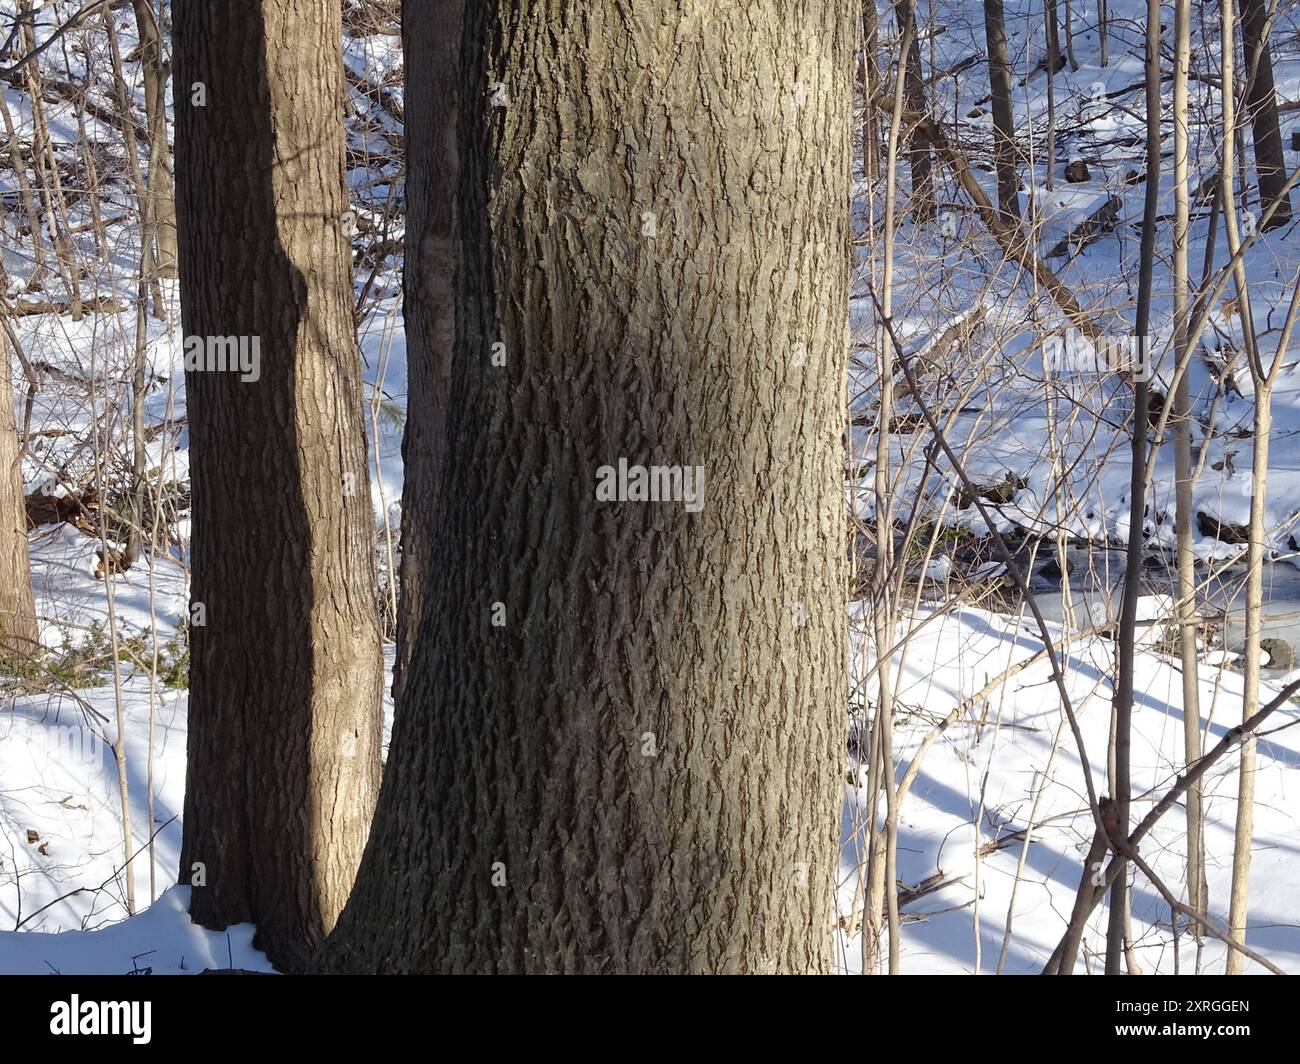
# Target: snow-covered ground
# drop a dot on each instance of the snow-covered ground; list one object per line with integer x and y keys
{"x": 979, "y": 785}
{"x": 63, "y": 903}
{"x": 1008, "y": 768}
{"x": 1011, "y": 765}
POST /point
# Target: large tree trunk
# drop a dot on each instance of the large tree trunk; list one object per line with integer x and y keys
{"x": 18, "y": 630}
{"x": 1004, "y": 130}
{"x": 622, "y": 740}
{"x": 284, "y": 717}
{"x": 429, "y": 287}
{"x": 1261, "y": 104}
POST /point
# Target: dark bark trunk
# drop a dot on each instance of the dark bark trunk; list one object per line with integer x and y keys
{"x": 429, "y": 286}
{"x": 1053, "y": 66}
{"x": 284, "y": 719}
{"x": 637, "y": 767}
{"x": 1053, "y": 33}
{"x": 870, "y": 86}
{"x": 1004, "y": 131}
{"x": 1261, "y": 105}
{"x": 919, "y": 154}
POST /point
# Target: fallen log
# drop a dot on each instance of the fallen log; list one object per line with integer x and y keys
{"x": 1007, "y": 233}
{"x": 76, "y": 510}
{"x": 1097, "y": 225}
{"x": 25, "y": 308}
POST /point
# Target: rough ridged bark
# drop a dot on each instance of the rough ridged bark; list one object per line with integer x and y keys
{"x": 713, "y": 640}
{"x": 429, "y": 290}
{"x": 284, "y": 724}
